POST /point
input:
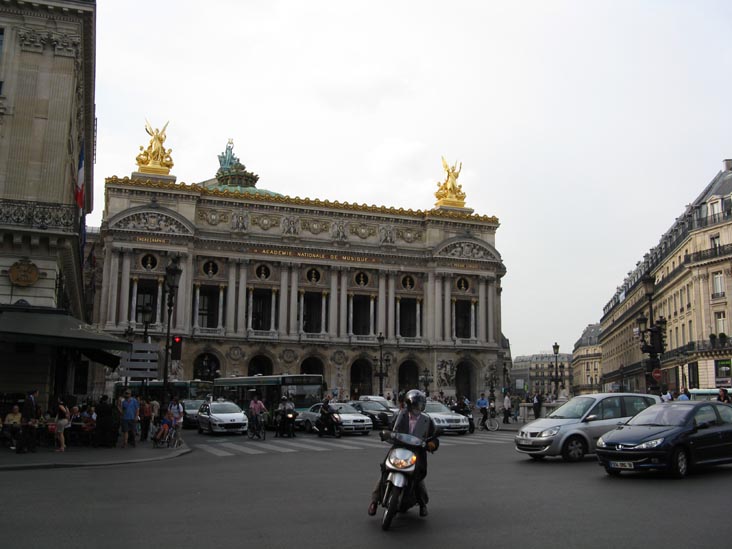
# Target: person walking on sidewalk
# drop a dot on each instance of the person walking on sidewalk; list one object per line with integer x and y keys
{"x": 536, "y": 404}
{"x": 29, "y": 427}
{"x": 145, "y": 418}
{"x": 130, "y": 412}
{"x": 506, "y": 408}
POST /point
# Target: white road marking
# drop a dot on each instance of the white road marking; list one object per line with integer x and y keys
{"x": 214, "y": 451}
{"x": 241, "y": 448}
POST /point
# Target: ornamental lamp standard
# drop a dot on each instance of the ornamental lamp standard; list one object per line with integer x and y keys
{"x": 653, "y": 336}
{"x": 172, "y": 280}
{"x": 383, "y": 371}
{"x": 426, "y": 379}
{"x": 555, "y": 347}
{"x": 129, "y": 334}
{"x": 147, "y": 316}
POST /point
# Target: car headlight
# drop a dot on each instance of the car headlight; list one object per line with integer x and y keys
{"x": 550, "y": 432}
{"x": 650, "y": 444}
{"x": 601, "y": 443}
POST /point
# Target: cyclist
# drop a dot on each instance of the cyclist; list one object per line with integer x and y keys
{"x": 256, "y": 407}
{"x": 483, "y": 407}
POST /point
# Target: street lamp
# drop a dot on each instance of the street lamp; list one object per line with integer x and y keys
{"x": 492, "y": 379}
{"x": 129, "y": 334}
{"x": 383, "y": 372}
{"x": 147, "y": 315}
{"x": 555, "y": 347}
{"x": 653, "y": 336}
{"x": 172, "y": 280}
{"x": 426, "y": 379}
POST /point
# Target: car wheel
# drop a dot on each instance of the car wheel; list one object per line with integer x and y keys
{"x": 536, "y": 457}
{"x": 612, "y": 472}
{"x": 308, "y": 427}
{"x": 680, "y": 463}
{"x": 574, "y": 449}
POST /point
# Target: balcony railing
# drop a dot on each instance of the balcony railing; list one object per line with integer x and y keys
{"x": 717, "y": 295}
{"x": 711, "y": 253}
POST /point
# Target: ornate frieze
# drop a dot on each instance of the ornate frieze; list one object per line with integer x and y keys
{"x": 38, "y": 214}
{"x": 265, "y": 222}
{"x": 362, "y": 230}
{"x": 410, "y": 235}
{"x": 213, "y": 217}
{"x": 339, "y": 231}
{"x": 240, "y": 221}
{"x": 387, "y": 234}
{"x": 314, "y": 226}
{"x": 64, "y": 45}
{"x": 156, "y": 222}
{"x": 290, "y": 225}
{"x": 467, "y": 250}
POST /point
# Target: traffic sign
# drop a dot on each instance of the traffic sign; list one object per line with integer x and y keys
{"x": 656, "y": 374}
{"x": 142, "y": 362}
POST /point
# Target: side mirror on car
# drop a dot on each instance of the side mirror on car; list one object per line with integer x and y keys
{"x": 591, "y": 417}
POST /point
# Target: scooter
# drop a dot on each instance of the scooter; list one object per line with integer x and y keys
{"x": 398, "y": 490}
{"x": 468, "y": 413}
{"x": 286, "y": 423}
{"x": 332, "y": 426}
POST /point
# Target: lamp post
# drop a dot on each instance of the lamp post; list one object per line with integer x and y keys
{"x": 129, "y": 334}
{"x": 653, "y": 337}
{"x": 426, "y": 379}
{"x": 555, "y": 347}
{"x": 492, "y": 379}
{"x": 147, "y": 315}
{"x": 172, "y": 279}
{"x": 383, "y": 372}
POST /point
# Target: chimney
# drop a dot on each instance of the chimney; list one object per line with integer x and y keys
{"x": 728, "y": 165}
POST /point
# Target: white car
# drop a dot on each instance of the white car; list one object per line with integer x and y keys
{"x": 352, "y": 421}
{"x": 446, "y": 421}
{"x": 222, "y": 417}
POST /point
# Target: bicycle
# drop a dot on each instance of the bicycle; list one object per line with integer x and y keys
{"x": 256, "y": 427}
{"x": 489, "y": 421}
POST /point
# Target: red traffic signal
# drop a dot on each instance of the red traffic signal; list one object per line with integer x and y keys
{"x": 176, "y": 349}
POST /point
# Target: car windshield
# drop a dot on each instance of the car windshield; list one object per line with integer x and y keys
{"x": 345, "y": 408}
{"x": 372, "y": 405}
{"x": 574, "y": 409}
{"x": 192, "y": 405}
{"x": 661, "y": 415}
{"x": 436, "y": 408}
{"x": 224, "y": 408}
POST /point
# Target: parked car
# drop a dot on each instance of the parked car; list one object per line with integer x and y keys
{"x": 190, "y": 413}
{"x": 351, "y": 419}
{"x": 222, "y": 417}
{"x": 381, "y": 416}
{"x": 446, "y": 421}
{"x": 572, "y": 430}
{"x": 388, "y": 403}
{"x": 674, "y": 436}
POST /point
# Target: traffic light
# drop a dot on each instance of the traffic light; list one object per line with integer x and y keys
{"x": 176, "y": 349}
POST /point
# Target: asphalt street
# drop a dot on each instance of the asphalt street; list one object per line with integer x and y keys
{"x": 310, "y": 492}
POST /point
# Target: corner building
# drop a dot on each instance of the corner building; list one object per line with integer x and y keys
{"x": 273, "y": 284}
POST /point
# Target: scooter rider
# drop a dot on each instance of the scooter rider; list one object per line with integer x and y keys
{"x": 326, "y": 413}
{"x": 412, "y": 421}
{"x": 284, "y": 406}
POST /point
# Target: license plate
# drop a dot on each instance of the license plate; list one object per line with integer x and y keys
{"x": 621, "y": 464}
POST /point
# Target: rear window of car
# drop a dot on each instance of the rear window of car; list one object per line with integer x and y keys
{"x": 725, "y": 412}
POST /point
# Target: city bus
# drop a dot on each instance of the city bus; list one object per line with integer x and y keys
{"x": 194, "y": 389}
{"x": 304, "y": 390}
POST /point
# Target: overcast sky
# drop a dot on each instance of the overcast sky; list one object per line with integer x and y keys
{"x": 585, "y": 127}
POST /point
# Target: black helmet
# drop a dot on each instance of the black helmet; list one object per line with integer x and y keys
{"x": 283, "y": 399}
{"x": 415, "y": 400}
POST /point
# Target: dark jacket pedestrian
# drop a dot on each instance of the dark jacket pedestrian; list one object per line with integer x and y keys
{"x": 29, "y": 421}
{"x": 536, "y": 404}
{"x": 105, "y": 433}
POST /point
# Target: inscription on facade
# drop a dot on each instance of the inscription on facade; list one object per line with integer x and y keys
{"x": 315, "y": 255}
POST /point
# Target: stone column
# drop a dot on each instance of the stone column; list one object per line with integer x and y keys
{"x": 184, "y": 294}
{"x": 124, "y": 293}
{"x": 282, "y": 325}
{"x": 390, "y": 307}
{"x": 429, "y": 293}
{"x": 398, "y": 316}
{"x": 293, "y": 299}
{"x": 481, "y": 309}
{"x": 350, "y": 314}
{"x": 231, "y": 298}
{"x": 106, "y": 278}
{"x": 472, "y": 319}
{"x": 453, "y": 306}
{"x": 381, "y": 309}
{"x": 133, "y": 307}
{"x": 437, "y": 311}
{"x": 241, "y": 298}
{"x": 491, "y": 312}
{"x": 333, "y": 305}
{"x": 343, "y": 330}
{"x": 419, "y": 317}
{"x": 196, "y": 304}
{"x": 159, "y": 301}
{"x": 447, "y": 316}
{"x": 272, "y": 310}
{"x": 323, "y": 301}
{"x": 371, "y": 314}
{"x": 220, "y": 323}
{"x": 301, "y": 315}
{"x": 113, "y": 297}
{"x": 249, "y": 308}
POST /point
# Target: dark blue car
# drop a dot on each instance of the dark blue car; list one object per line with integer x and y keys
{"x": 673, "y": 436}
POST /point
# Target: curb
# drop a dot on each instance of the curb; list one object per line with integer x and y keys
{"x": 55, "y": 465}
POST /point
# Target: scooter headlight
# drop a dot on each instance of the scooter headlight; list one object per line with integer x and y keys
{"x": 402, "y": 459}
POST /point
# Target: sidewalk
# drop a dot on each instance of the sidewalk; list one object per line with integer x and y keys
{"x": 85, "y": 456}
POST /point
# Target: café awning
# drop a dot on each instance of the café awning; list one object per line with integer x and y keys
{"x": 47, "y": 326}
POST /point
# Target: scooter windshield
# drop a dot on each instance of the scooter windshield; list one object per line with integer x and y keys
{"x": 409, "y": 440}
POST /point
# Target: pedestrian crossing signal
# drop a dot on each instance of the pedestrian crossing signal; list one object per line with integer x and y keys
{"x": 176, "y": 349}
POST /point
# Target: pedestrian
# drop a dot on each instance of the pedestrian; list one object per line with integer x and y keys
{"x": 155, "y": 409}
{"x": 177, "y": 409}
{"x": 667, "y": 397}
{"x": 104, "y": 431}
{"x": 536, "y": 405}
{"x": 62, "y": 421}
{"x": 130, "y": 414}
{"x": 29, "y": 427}
{"x": 507, "y": 408}
{"x": 723, "y": 396}
{"x": 145, "y": 418}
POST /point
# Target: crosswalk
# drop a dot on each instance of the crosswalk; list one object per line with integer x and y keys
{"x": 224, "y": 447}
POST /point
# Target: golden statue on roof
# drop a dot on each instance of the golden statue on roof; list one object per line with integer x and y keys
{"x": 155, "y": 159}
{"x": 449, "y": 192}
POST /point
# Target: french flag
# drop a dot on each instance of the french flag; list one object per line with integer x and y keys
{"x": 79, "y": 194}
